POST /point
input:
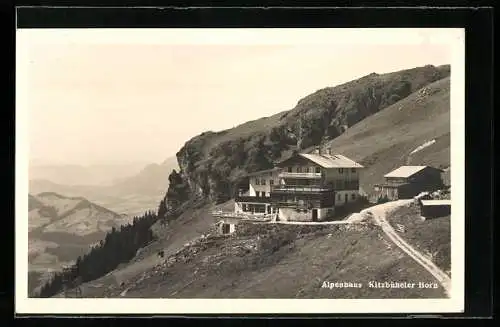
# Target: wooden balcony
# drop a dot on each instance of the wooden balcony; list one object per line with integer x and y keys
{"x": 300, "y": 175}
{"x": 288, "y": 189}
{"x": 305, "y": 199}
{"x": 315, "y": 188}
{"x": 252, "y": 199}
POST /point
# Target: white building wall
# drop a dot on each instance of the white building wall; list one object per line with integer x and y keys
{"x": 232, "y": 228}
{"x": 324, "y": 213}
{"x": 251, "y": 189}
{"x": 238, "y": 208}
{"x": 290, "y": 214}
{"x": 255, "y": 186}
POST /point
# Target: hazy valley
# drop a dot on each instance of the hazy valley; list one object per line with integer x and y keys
{"x": 129, "y": 191}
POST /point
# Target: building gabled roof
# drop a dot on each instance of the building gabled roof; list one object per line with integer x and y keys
{"x": 261, "y": 172}
{"x": 405, "y": 171}
{"x": 331, "y": 160}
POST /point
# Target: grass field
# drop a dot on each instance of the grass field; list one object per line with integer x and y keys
{"x": 290, "y": 261}
{"x": 430, "y": 237}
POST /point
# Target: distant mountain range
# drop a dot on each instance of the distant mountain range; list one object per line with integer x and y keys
{"x": 131, "y": 194}
{"x": 98, "y": 174}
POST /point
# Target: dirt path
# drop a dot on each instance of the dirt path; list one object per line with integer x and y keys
{"x": 379, "y": 213}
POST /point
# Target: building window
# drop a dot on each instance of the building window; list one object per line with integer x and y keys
{"x": 318, "y": 170}
{"x": 353, "y": 196}
{"x": 353, "y": 170}
{"x": 271, "y": 182}
{"x": 257, "y": 181}
{"x": 299, "y": 169}
{"x": 341, "y": 170}
{"x": 263, "y": 182}
{"x": 289, "y": 169}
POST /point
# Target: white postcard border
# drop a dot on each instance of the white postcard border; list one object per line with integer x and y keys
{"x": 455, "y": 38}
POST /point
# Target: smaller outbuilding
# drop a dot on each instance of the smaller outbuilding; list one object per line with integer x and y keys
{"x": 406, "y": 182}
{"x": 435, "y": 208}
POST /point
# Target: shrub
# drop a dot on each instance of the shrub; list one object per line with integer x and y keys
{"x": 274, "y": 242}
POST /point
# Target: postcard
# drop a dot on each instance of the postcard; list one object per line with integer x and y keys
{"x": 294, "y": 170}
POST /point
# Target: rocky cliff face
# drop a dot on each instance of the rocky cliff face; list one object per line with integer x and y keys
{"x": 212, "y": 163}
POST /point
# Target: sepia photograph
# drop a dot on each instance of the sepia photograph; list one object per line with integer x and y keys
{"x": 239, "y": 170}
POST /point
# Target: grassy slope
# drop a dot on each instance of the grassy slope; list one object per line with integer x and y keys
{"x": 317, "y": 102}
{"x": 382, "y": 141}
{"x": 431, "y": 237}
{"x": 171, "y": 238}
{"x": 244, "y": 267}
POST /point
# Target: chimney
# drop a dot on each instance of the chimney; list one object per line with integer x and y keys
{"x": 408, "y": 160}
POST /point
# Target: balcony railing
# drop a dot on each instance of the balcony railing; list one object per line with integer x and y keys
{"x": 299, "y": 175}
{"x": 253, "y": 199}
{"x": 296, "y": 205}
{"x": 300, "y": 188}
{"x": 337, "y": 186}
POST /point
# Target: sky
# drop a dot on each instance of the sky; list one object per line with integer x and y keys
{"x": 107, "y": 96}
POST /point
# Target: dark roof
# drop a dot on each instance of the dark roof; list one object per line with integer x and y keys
{"x": 407, "y": 171}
